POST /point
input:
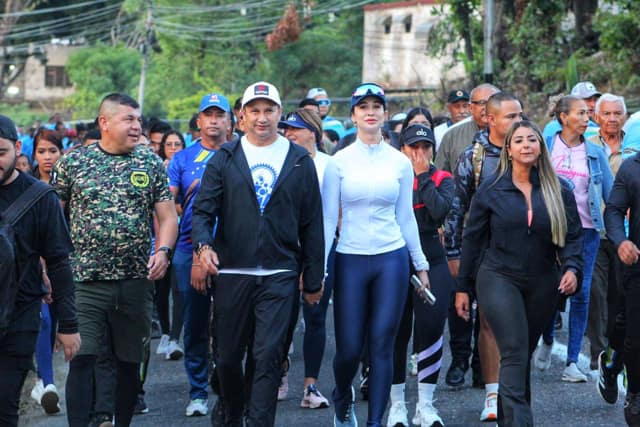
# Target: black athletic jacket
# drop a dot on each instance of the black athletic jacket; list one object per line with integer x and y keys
{"x": 288, "y": 235}
{"x": 498, "y": 236}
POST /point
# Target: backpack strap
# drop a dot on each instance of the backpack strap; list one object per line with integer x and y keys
{"x": 25, "y": 201}
{"x": 477, "y": 158}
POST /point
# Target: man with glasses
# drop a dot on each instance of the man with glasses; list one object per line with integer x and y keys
{"x": 460, "y": 137}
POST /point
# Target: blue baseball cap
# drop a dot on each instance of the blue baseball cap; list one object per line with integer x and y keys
{"x": 294, "y": 120}
{"x": 367, "y": 89}
{"x": 215, "y": 100}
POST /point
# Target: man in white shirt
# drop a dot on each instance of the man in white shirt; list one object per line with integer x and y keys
{"x": 262, "y": 193}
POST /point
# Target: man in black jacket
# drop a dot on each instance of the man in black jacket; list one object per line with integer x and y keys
{"x": 41, "y": 232}
{"x": 262, "y": 196}
{"x": 624, "y": 197}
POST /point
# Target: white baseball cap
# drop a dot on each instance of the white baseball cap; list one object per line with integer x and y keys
{"x": 261, "y": 90}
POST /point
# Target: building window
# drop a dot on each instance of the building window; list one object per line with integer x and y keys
{"x": 56, "y": 76}
{"x": 407, "y": 23}
{"x": 387, "y": 25}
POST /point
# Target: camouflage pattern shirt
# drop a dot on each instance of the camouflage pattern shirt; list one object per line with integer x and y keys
{"x": 111, "y": 200}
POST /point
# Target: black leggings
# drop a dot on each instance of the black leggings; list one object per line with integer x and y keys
{"x": 429, "y": 320}
{"x": 80, "y": 391}
{"x": 165, "y": 286}
{"x": 517, "y": 310}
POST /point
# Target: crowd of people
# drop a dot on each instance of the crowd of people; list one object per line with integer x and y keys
{"x": 404, "y": 222}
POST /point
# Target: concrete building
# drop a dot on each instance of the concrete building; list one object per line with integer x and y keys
{"x": 44, "y": 80}
{"x": 395, "y": 43}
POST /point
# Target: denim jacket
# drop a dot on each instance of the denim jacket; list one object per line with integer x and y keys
{"x": 600, "y": 179}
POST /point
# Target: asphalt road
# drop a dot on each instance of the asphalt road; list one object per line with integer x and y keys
{"x": 555, "y": 403}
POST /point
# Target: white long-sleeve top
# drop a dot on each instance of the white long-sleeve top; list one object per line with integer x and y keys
{"x": 373, "y": 184}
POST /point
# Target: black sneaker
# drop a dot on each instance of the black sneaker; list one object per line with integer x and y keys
{"x": 101, "y": 420}
{"x": 632, "y": 409}
{"x": 364, "y": 384}
{"x": 141, "y": 406}
{"x": 455, "y": 374}
{"x": 607, "y": 380}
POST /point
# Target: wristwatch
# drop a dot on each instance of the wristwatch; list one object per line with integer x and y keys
{"x": 167, "y": 250}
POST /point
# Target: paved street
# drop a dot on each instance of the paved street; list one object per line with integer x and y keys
{"x": 555, "y": 403}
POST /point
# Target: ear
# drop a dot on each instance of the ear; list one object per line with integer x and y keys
{"x": 18, "y": 147}
{"x": 102, "y": 123}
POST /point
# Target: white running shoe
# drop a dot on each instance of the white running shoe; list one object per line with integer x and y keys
{"x": 427, "y": 415}
{"x": 398, "y": 415}
{"x": 490, "y": 411}
{"x": 197, "y": 407}
{"x": 572, "y": 374}
{"x": 283, "y": 390}
{"x": 313, "y": 399}
{"x": 163, "y": 344}
{"x": 47, "y": 397}
{"x": 542, "y": 359}
{"x": 174, "y": 351}
{"x": 413, "y": 364}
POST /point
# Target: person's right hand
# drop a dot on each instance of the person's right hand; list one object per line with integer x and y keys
{"x": 462, "y": 305}
{"x": 70, "y": 343}
{"x": 628, "y": 252}
{"x": 454, "y": 267}
{"x": 209, "y": 261}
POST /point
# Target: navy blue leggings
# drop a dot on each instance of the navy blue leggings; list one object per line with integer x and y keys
{"x": 369, "y": 296}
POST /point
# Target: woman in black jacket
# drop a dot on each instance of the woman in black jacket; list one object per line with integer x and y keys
{"x": 520, "y": 224}
{"x": 433, "y": 192}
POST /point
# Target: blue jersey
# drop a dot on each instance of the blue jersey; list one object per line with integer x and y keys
{"x": 186, "y": 168}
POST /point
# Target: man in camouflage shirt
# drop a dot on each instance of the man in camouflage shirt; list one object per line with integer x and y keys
{"x": 112, "y": 189}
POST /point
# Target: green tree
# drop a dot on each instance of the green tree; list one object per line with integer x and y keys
{"x": 99, "y": 70}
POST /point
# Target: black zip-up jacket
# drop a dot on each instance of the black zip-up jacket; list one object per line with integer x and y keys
{"x": 432, "y": 202}
{"x": 497, "y": 234}
{"x": 625, "y": 195}
{"x": 287, "y": 235}
{"x": 465, "y": 182}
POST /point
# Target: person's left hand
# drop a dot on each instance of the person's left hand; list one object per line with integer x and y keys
{"x": 158, "y": 265}
{"x": 70, "y": 343}
{"x": 568, "y": 283}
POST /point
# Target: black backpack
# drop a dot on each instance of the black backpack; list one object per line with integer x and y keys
{"x": 9, "y": 281}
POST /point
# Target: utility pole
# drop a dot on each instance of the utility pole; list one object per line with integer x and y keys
{"x": 144, "y": 48}
{"x": 489, "y": 17}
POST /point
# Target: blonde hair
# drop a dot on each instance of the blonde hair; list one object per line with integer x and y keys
{"x": 549, "y": 183}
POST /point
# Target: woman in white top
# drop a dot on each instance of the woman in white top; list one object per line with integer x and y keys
{"x": 371, "y": 185}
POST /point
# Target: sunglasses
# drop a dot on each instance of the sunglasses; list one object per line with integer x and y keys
{"x": 326, "y": 102}
{"x": 368, "y": 89}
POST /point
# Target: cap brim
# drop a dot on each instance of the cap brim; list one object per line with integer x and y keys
{"x": 213, "y": 106}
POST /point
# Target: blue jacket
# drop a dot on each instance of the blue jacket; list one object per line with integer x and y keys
{"x": 600, "y": 179}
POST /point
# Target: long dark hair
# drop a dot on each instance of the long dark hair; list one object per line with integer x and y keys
{"x": 416, "y": 111}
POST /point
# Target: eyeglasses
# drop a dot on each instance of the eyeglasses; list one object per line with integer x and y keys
{"x": 482, "y": 102}
{"x": 326, "y": 102}
{"x": 368, "y": 89}
{"x": 177, "y": 144}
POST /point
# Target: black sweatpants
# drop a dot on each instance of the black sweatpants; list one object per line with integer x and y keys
{"x": 258, "y": 310}
{"x": 517, "y": 309}
{"x": 16, "y": 358}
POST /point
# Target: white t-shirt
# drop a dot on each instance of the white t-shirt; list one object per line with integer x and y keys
{"x": 373, "y": 184}
{"x": 320, "y": 160}
{"x": 265, "y": 164}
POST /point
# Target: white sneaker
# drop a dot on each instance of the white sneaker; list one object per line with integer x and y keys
{"x": 427, "y": 415}
{"x": 196, "y": 407}
{"x": 283, "y": 389}
{"x": 398, "y": 415}
{"x": 413, "y": 364}
{"x": 162, "y": 346}
{"x": 572, "y": 374}
{"x": 47, "y": 397}
{"x": 174, "y": 351}
{"x": 542, "y": 359}
{"x": 490, "y": 411}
